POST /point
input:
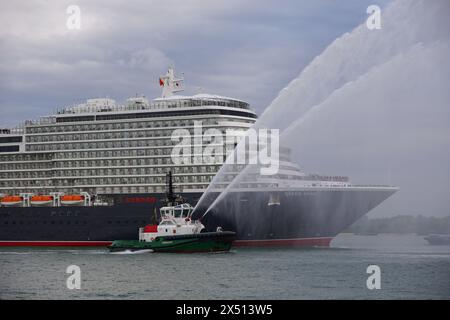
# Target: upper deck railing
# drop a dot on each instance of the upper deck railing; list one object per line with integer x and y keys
{"x": 17, "y": 130}
{"x": 157, "y": 104}
{"x": 102, "y": 106}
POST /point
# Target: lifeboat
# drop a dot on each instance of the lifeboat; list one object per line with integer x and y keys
{"x": 11, "y": 201}
{"x": 72, "y": 199}
{"x": 41, "y": 200}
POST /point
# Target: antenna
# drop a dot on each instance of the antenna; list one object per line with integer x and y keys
{"x": 170, "y": 84}
{"x": 170, "y": 197}
{"x": 199, "y": 90}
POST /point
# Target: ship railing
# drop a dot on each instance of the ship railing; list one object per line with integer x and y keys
{"x": 17, "y": 130}
{"x": 117, "y": 108}
{"x": 319, "y": 177}
{"x": 26, "y": 199}
{"x": 41, "y": 121}
{"x": 56, "y": 198}
{"x": 179, "y": 103}
{"x": 372, "y": 186}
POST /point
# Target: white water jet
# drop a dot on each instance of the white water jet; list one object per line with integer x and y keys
{"x": 412, "y": 43}
{"x": 404, "y": 24}
{"x": 391, "y": 126}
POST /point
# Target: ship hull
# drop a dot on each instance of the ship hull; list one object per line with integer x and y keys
{"x": 304, "y": 215}
{"x": 297, "y": 218}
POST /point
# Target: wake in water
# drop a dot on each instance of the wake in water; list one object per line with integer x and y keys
{"x": 373, "y": 99}
{"x": 133, "y": 252}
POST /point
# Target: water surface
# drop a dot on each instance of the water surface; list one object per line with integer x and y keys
{"x": 410, "y": 269}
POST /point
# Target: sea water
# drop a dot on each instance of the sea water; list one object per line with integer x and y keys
{"x": 409, "y": 267}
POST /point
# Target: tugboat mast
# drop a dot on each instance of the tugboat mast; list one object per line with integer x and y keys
{"x": 170, "y": 197}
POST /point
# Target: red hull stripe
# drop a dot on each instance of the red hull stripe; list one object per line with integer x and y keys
{"x": 322, "y": 242}
{"x": 55, "y": 243}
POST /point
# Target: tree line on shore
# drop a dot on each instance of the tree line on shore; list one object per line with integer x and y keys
{"x": 420, "y": 225}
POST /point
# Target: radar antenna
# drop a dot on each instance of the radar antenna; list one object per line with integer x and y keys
{"x": 170, "y": 84}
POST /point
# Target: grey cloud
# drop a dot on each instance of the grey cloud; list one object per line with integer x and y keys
{"x": 244, "y": 49}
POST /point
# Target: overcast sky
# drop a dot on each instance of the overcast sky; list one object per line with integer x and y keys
{"x": 245, "y": 49}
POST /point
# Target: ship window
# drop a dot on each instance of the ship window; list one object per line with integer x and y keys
{"x": 10, "y": 139}
{"x": 178, "y": 213}
{"x": 9, "y": 149}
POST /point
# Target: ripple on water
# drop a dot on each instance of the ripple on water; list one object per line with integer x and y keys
{"x": 244, "y": 274}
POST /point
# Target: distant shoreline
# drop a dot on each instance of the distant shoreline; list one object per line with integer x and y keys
{"x": 400, "y": 224}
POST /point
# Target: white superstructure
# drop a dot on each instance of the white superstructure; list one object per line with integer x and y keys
{"x": 175, "y": 221}
{"x": 102, "y": 147}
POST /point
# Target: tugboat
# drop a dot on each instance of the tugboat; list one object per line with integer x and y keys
{"x": 177, "y": 232}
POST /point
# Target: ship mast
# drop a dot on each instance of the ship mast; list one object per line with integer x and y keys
{"x": 170, "y": 197}
{"x": 170, "y": 84}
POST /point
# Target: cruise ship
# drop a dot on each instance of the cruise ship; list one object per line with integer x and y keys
{"x": 95, "y": 172}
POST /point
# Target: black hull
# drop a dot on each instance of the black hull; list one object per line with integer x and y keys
{"x": 295, "y": 214}
{"x": 252, "y": 215}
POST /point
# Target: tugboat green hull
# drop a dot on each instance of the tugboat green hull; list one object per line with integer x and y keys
{"x": 202, "y": 242}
